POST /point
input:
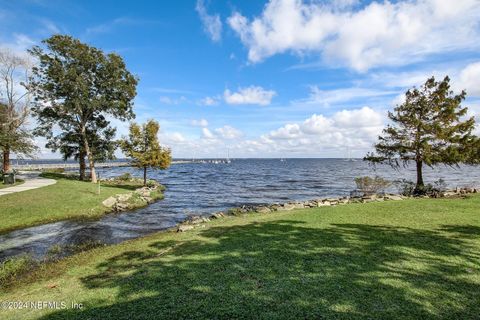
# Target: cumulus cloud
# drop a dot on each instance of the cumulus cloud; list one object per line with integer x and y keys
{"x": 469, "y": 79}
{"x": 199, "y": 123}
{"x": 207, "y": 134}
{"x": 228, "y": 132}
{"x": 210, "y": 101}
{"x": 385, "y": 33}
{"x": 356, "y": 129}
{"x": 249, "y": 95}
{"x": 318, "y": 135}
{"x": 289, "y": 131}
{"x": 212, "y": 25}
{"x": 176, "y": 137}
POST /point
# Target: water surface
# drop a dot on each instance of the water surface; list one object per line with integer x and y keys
{"x": 195, "y": 188}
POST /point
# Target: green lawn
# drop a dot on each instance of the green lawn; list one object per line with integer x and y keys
{"x": 17, "y": 183}
{"x": 66, "y": 199}
{"x": 412, "y": 259}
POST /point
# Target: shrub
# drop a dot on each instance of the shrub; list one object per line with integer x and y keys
{"x": 152, "y": 183}
{"x": 125, "y": 177}
{"x": 407, "y": 188}
{"x": 368, "y": 185}
{"x": 11, "y": 268}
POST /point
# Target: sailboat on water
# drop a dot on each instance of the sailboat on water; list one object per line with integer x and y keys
{"x": 349, "y": 155}
{"x": 228, "y": 156}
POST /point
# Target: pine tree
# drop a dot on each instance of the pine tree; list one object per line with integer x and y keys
{"x": 429, "y": 128}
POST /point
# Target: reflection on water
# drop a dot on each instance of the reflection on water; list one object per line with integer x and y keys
{"x": 194, "y": 188}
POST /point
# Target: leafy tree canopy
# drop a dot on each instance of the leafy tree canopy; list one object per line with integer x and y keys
{"x": 76, "y": 87}
{"x": 143, "y": 147}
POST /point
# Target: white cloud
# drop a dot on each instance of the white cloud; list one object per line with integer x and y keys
{"x": 19, "y": 44}
{"x": 228, "y": 132}
{"x": 364, "y": 117}
{"x": 210, "y": 101}
{"x": 319, "y": 135}
{"x": 173, "y": 101}
{"x": 111, "y": 25}
{"x": 212, "y": 25}
{"x": 335, "y": 96}
{"x": 377, "y": 34}
{"x": 354, "y": 129}
{"x": 469, "y": 79}
{"x": 289, "y": 131}
{"x": 176, "y": 137}
{"x": 199, "y": 123}
{"x": 249, "y": 95}
{"x": 50, "y": 27}
{"x": 207, "y": 134}
{"x": 171, "y": 90}
{"x": 316, "y": 124}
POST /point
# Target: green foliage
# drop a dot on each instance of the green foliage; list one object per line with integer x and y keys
{"x": 429, "y": 128}
{"x": 143, "y": 147}
{"x": 125, "y": 177}
{"x": 13, "y": 267}
{"x": 368, "y": 185}
{"x": 76, "y": 87}
{"x": 408, "y": 188}
{"x": 154, "y": 183}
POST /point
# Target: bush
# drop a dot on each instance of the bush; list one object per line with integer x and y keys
{"x": 368, "y": 185}
{"x": 152, "y": 183}
{"x": 124, "y": 177}
{"x": 407, "y": 188}
{"x": 11, "y": 268}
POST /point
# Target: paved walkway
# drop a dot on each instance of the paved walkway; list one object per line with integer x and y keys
{"x": 32, "y": 181}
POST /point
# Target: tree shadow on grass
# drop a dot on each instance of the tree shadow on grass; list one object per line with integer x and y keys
{"x": 284, "y": 270}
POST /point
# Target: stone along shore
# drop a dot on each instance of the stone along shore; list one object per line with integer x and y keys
{"x": 193, "y": 221}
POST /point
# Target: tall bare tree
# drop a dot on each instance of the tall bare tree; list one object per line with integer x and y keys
{"x": 14, "y": 107}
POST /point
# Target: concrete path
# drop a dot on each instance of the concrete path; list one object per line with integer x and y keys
{"x": 32, "y": 181}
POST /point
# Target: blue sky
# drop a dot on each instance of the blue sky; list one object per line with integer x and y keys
{"x": 277, "y": 78}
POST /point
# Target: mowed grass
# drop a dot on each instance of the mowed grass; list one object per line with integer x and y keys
{"x": 67, "y": 199}
{"x": 17, "y": 183}
{"x": 412, "y": 259}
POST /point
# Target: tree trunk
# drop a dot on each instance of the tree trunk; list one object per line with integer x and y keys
{"x": 144, "y": 176}
{"x": 91, "y": 163}
{"x": 419, "y": 186}
{"x": 6, "y": 159}
{"x": 81, "y": 162}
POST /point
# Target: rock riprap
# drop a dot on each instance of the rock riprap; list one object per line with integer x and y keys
{"x": 194, "y": 221}
{"x": 125, "y": 201}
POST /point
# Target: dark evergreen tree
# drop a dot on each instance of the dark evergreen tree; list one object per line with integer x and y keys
{"x": 428, "y": 129}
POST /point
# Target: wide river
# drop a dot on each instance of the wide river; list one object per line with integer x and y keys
{"x": 204, "y": 188}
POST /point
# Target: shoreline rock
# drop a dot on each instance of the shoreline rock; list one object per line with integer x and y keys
{"x": 193, "y": 221}
{"x": 126, "y": 201}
